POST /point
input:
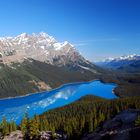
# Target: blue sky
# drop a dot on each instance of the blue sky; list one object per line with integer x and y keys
{"x": 98, "y": 28}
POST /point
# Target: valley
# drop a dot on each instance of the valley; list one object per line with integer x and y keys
{"x": 48, "y": 77}
{"x": 57, "y": 64}
{"x": 69, "y": 69}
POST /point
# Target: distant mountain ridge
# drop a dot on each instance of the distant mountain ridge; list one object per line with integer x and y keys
{"x": 128, "y": 63}
{"x": 124, "y": 57}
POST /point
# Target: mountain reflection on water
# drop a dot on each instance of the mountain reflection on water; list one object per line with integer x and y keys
{"x": 15, "y": 108}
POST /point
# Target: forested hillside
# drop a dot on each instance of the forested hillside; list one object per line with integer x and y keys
{"x": 33, "y": 76}
{"x": 74, "y": 120}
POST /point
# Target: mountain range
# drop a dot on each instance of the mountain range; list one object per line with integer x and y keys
{"x": 31, "y": 63}
{"x": 37, "y": 62}
{"x": 40, "y": 47}
{"x": 128, "y": 63}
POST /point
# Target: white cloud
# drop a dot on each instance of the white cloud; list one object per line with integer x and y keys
{"x": 86, "y": 42}
{"x": 80, "y": 44}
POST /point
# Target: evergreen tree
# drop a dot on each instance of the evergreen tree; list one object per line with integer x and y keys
{"x": 13, "y": 125}
{"x": 78, "y": 118}
{"x": 44, "y": 125}
{"x": 34, "y": 132}
{"x": 10, "y": 128}
{"x": 90, "y": 124}
{"x": 95, "y": 122}
{"x": 82, "y": 124}
{"x": 24, "y": 126}
{"x": 137, "y": 122}
{"x": 5, "y": 127}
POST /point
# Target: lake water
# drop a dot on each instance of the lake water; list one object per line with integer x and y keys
{"x": 15, "y": 108}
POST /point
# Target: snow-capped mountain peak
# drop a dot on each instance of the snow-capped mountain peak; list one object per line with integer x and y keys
{"x": 44, "y": 35}
{"x": 127, "y": 57}
{"x": 66, "y": 43}
{"x": 23, "y": 35}
{"x": 123, "y": 58}
{"x": 41, "y": 47}
{"x": 129, "y": 63}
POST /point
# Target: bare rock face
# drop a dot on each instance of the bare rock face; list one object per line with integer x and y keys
{"x": 41, "y": 85}
{"x": 44, "y": 135}
{"x": 41, "y": 47}
{"x": 41, "y": 62}
{"x": 121, "y": 127}
{"x": 16, "y": 135}
{"x": 123, "y": 119}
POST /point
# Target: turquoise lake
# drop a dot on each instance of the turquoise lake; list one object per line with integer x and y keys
{"x": 15, "y": 108}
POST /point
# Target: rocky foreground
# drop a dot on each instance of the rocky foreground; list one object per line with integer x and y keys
{"x": 121, "y": 127}
{"x": 44, "y": 135}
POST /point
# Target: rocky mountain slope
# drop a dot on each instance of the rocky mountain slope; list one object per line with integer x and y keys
{"x": 37, "y": 62}
{"x": 120, "y": 127}
{"x": 41, "y": 47}
{"x": 34, "y": 76}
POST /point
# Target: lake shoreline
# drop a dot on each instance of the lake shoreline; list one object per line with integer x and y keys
{"x": 15, "y": 108}
{"x": 86, "y": 82}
